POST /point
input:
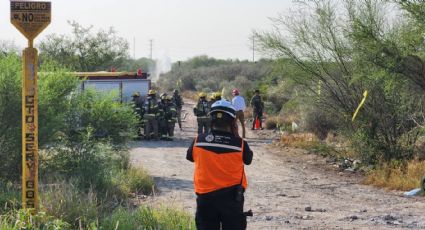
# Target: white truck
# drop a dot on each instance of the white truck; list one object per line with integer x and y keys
{"x": 125, "y": 83}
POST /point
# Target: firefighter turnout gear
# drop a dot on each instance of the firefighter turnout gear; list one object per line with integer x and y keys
{"x": 219, "y": 176}
{"x": 150, "y": 115}
{"x": 177, "y": 100}
{"x": 201, "y": 111}
{"x": 167, "y": 118}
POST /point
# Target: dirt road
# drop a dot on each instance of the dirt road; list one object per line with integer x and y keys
{"x": 288, "y": 189}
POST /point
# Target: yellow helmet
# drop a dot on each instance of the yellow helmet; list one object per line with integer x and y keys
{"x": 217, "y": 95}
{"x": 212, "y": 97}
{"x": 136, "y": 94}
{"x": 152, "y": 92}
{"x": 202, "y": 94}
{"x": 169, "y": 98}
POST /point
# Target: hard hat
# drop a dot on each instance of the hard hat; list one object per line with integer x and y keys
{"x": 152, "y": 92}
{"x": 136, "y": 94}
{"x": 168, "y": 98}
{"x": 163, "y": 95}
{"x": 222, "y": 108}
{"x": 212, "y": 97}
{"x": 217, "y": 95}
{"x": 202, "y": 94}
{"x": 235, "y": 92}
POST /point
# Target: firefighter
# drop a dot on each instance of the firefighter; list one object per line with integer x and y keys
{"x": 201, "y": 110}
{"x": 150, "y": 110}
{"x": 170, "y": 116}
{"x": 257, "y": 107}
{"x": 162, "y": 123}
{"x": 138, "y": 109}
{"x": 178, "y": 102}
{"x": 219, "y": 175}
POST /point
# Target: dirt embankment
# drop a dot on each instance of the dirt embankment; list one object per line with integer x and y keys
{"x": 288, "y": 189}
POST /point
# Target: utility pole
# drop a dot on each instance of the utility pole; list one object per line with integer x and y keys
{"x": 134, "y": 48}
{"x": 151, "y": 45}
{"x": 253, "y": 49}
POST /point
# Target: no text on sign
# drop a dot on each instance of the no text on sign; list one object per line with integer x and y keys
{"x": 29, "y": 17}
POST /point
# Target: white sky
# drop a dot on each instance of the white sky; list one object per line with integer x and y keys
{"x": 180, "y": 28}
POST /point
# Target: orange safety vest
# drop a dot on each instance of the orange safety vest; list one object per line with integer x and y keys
{"x": 214, "y": 171}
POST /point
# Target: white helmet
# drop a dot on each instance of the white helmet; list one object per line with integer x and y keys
{"x": 223, "y": 106}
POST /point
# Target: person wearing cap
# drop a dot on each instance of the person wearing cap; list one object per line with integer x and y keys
{"x": 178, "y": 102}
{"x": 219, "y": 175}
{"x": 150, "y": 116}
{"x": 201, "y": 110}
{"x": 239, "y": 103}
{"x": 257, "y": 105}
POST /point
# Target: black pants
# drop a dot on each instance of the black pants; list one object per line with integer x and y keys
{"x": 215, "y": 210}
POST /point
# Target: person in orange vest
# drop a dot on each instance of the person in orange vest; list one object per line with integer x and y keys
{"x": 219, "y": 175}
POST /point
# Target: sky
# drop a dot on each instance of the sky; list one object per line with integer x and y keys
{"x": 180, "y": 29}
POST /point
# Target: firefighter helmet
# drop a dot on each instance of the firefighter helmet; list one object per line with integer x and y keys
{"x": 163, "y": 96}
{"x": 136, "y": 94}
{"x": 152, "y": 92}
{"x": 202, "y": 94}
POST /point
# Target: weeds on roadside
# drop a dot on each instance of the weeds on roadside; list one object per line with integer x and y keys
{"x": 146, "y": 217}
{"x": 22, "y": 219}
{"x": 397, "y": 175}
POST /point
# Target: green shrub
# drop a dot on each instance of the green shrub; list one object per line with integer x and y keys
{"x": 10, "y": 197}
{"x": 65, "y": 201}
{"x": 22, "y": 219}
{"x": 134, "y": 180}
{"x": 10, "y": 117}
{"x": 149, "y": 218}
{"x": 90, "y": 164}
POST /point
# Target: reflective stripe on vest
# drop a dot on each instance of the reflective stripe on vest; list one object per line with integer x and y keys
{"x": 214, "y": 171}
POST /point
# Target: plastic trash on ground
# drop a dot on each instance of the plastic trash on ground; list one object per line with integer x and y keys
{"x": 413, "y": 192}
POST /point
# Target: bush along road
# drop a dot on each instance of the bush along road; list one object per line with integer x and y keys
{"x": 288, "y": 188}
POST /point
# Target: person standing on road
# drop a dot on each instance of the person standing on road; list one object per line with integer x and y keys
{"x": 257, "y": 105}
{"x": 201, "y": 110}
{"x": 178, "y": 102}
{"x": 219, "y": 175}
{"x": 151, "y": 115}
{"x": 239, "y": 103}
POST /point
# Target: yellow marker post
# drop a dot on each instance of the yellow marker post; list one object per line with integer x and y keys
{"x": 30, "y": 18}
{"x": 360, "y": 105}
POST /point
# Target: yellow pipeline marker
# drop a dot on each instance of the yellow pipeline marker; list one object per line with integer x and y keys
{"x": 360, "y": 105}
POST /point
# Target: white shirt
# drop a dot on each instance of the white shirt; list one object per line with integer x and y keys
{"x": 239, "y": 103}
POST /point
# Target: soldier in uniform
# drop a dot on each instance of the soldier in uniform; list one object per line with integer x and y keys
{"x": 201, "y": 110}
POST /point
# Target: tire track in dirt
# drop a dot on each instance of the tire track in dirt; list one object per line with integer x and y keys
{"x": 283, "y": 184}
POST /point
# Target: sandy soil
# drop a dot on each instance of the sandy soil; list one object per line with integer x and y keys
{"x": 288, "y": 188}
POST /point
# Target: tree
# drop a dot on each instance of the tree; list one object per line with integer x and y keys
{"x": 85, "y": 50}
{"x": 344, "y": 48}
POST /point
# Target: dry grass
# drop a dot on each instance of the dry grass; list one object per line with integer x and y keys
{"x": 397, "y": 176}
{"x": 299, "y": 140}
{"x": 283, "y": 123}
